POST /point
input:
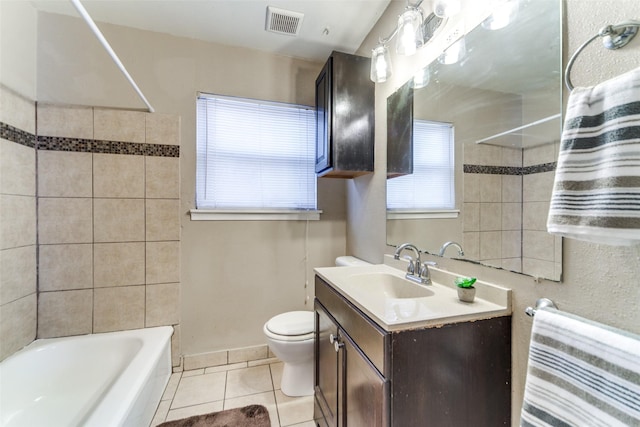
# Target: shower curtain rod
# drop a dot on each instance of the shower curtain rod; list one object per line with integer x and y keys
{"x": 96, "y": 31}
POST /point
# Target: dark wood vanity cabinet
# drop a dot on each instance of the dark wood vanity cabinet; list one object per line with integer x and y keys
{"x": 348, "y": 386}
{"x": 455, "y": 375}
{"x": 345, "y": 102}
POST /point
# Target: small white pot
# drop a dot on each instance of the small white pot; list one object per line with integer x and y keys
{"x": 466, "y": 294}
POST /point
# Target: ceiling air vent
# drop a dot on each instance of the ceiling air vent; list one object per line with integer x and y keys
{"x": 283, "y": 21}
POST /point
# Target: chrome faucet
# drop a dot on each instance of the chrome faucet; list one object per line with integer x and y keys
{"x": 447, "y": 244}
{"x": 416, "y": 271}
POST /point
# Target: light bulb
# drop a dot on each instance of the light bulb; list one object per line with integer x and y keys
{"x": 380, "y": 64}
{"x": 410, "y": 35}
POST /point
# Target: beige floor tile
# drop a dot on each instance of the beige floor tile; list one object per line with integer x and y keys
{"x": 267, "y": 399}
{"x": 293, "y": 410}
{"x": 189, "y": 411}
{"x": 276, "y": 374}
{"x": 161, "y": 413}
{"x": 242, "y": 382}
{"x": 199, "y": 389}
{"x": 262, "y": 361}
{"x": 172, "y": 386}
{"x": 224, "y": 368}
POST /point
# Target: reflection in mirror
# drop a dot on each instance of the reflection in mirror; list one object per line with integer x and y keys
{"x": 499, "y": 88}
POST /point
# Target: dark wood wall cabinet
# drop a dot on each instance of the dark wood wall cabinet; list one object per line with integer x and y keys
{"x": 345, "y": 102}
{"x": 400, "y": 132}
{"x": 452, "y": 375}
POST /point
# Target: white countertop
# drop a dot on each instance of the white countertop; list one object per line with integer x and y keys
{"x": 440, "y": 307}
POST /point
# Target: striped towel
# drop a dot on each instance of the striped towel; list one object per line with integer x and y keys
{"x": 580, "y": 373}
{"x": 596, "y": 194}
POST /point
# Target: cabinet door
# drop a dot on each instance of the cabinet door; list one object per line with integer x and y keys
{"x": 400, "y": 132}
{"x": 327, "y": 369}
{"x": 324, "y": 118}
{"x": 366, "y": 402}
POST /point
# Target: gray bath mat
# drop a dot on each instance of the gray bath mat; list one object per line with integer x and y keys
{"x": 249, "y": 416}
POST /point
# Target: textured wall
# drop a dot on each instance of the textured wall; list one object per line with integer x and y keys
{"x": 599, "y": 282}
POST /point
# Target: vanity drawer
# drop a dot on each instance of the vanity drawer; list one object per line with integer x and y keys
{"x": 368, "y": 336}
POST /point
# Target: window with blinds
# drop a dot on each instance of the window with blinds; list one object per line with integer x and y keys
{"x": 431, "y": 186}
{"x": 254, "y": 155}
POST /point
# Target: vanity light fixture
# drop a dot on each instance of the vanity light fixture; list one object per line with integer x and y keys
{"x": 453, "y": 53}
{"x": 410, "y": 36}
{"x": 413, "y": 31}
{"x": 381, "y": 68}
{"x": 504, "y": 13}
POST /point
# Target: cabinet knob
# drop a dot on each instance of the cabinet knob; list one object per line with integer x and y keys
{"x": 335, "y": 340}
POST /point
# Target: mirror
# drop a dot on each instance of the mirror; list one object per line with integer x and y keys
{"x": 503, "y": 98}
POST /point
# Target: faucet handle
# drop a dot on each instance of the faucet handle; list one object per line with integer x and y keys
{"x": 424, "y": 273}
{"x": 412, "y": 267}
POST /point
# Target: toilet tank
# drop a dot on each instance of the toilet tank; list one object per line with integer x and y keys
{"x": 350, "y": 261}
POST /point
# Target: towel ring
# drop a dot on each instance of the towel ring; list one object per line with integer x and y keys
{"x": 613, "y": 37}
{"x": 541, "y": 303}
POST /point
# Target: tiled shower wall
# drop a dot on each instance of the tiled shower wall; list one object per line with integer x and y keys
{"x": 493, "y": 205}
{"x": 542, "y": 252}
{"x": 106, "y": 255}
{"x": 108, "y": 221}
{"x": 505, "y": 208}
{"x": 18, "y": 298}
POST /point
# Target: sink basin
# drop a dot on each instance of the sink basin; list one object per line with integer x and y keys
{"x": 394, "y": 302}
{"x": 387, "y": 286}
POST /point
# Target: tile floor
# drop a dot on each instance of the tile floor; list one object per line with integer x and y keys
{"x": 230, "y": 386}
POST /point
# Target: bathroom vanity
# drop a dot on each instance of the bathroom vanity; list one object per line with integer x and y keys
{"x": 408, "y": 357}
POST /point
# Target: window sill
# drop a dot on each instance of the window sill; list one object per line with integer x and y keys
{"x": 422, "y": 214}
{"x": 254, "y": 215}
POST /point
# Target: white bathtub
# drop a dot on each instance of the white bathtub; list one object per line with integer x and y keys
{"x": 110, "y": 379}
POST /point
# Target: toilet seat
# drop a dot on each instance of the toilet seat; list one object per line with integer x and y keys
{"x": 291, "y": 326}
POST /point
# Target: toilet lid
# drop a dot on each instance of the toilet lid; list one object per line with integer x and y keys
{"x": 292, "y": 323}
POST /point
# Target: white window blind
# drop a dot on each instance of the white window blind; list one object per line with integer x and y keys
{"x": 254, "y": 154}
{"x": 431, "y": 186}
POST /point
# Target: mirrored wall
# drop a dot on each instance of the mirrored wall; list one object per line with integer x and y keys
{"x": 503, "y": 98}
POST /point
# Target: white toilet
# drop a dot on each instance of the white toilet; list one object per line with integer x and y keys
{"x": 290, "y": 337}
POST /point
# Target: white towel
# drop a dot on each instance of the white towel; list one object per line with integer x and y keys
{"x": 596, "y": 194}
{"x": 581, "y": 374}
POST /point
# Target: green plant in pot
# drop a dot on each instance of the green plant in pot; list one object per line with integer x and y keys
{"x": 466, "y": 291}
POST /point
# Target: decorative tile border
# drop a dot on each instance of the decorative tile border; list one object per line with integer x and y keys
{"x": 510, "y": 170}
{"x": 64, "y": 144}
{"x": 16, "y": 135}
{"x": 55, "y": 143}
{"x": 106, "y": 147}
